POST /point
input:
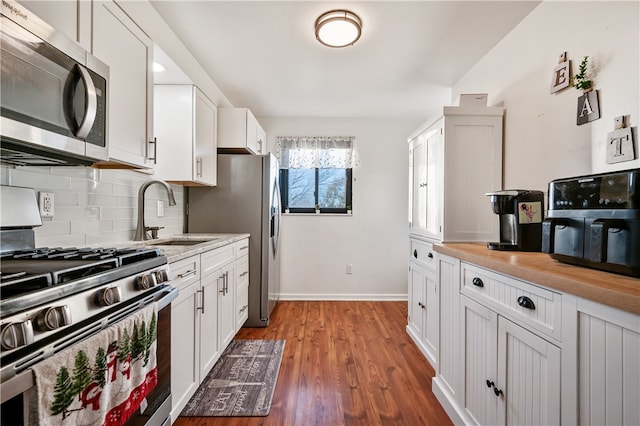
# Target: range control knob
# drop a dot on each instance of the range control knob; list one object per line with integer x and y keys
{"x": 16, "y": 334}
{"x": 108, "y": 296}
{"x": 54, "y": 317}
{"x": 146, "y": 281}
{"x": 162, "y": 276}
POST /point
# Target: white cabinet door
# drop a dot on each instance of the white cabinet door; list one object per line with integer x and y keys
{"x": 226, "y": 306}
{"x": 72, "y": 18}
{"x": 240, "y": 132}
{"x": 479, "y": 345}
{"x": 185, "y": 342}
{"x": 608, "y": 362}
{"x": 511, "y": 376}
{"x": 121, "y": 44}
{"x": 206, "y": 164}
{"x": 209, "y": 347}
{"x": 185, "y": 129}
{"x": 416, "y": 303}
{"x": 528, "y": 384}
{"x": 418, "y": 220}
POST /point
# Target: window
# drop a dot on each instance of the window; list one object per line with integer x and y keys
{"x": 316, "y": 173}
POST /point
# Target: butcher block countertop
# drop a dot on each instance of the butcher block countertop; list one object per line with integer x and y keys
{"x": 618, "y": 291}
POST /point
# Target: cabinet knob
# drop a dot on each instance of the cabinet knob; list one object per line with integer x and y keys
{"x": 497, "y": 391}
{"x": 430, "y": 255}
{"x": 490, "y": 384}
{"x": 477, "y": 282}
{"x": 525, "y": 302}
{"x": 415, "y": 253}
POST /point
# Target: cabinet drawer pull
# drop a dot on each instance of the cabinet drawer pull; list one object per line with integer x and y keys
{"x": 430, "y": 255}
{"x": 154, "y": 142}
{"x": 243, "y": 248}
{"x": 244, "y": 308}
{"x": 415, "y": 253}
{"x": 477, "y": 282}
{"x": 525, "y": 302}
{"x": 497, "y": 391}
{"x": 490, "y": 384}
{"x": 244, "y": 273}
{"x": 186, "y": 274}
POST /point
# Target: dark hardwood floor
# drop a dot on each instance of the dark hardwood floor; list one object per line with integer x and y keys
{"x": 345, "y": 363}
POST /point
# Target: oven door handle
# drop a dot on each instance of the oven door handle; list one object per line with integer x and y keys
{"x": 166, "y": 297}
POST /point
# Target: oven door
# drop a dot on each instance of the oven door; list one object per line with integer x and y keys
{"x": 19, "y": 396}
{"x": 50, "y": 100}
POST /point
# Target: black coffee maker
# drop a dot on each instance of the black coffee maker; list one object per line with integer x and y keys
{"x": 521, "y": 213}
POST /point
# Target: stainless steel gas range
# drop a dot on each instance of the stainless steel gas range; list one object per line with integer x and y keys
{"x": 54, "y": 298}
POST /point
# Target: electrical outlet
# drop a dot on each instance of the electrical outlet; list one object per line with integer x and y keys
{"x": 160, "y": 208}
{"x": 349, "y": 268}
{"x": 46, "y": 204}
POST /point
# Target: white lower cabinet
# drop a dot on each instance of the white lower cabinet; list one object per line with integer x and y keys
{"x": 552, "y": 359}
{"x": 604, "y": 369}
{"x": 511, "y": 376}
{"x": 423, "y": 306}
{"x": 203, "y": 317}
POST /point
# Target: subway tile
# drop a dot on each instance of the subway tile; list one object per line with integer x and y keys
{"x": 108, "y": 238}
{"x": 77, "y": 212}
{"x": 66, "y": 198}
{"x": 85, "y": 227}
{"x": 77, "y": 172}
{"x": 39, "y": 179}
{"x": 53, "y": 227}
{"x": 61, "y": 241}
{"x": 91, "y": 186}
{"x": 116, "y": 213}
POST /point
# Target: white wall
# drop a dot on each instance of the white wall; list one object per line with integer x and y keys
{"x": 95, "y": 206}
{"x": 542, "y": 140}
{"x": 316, "y": 248}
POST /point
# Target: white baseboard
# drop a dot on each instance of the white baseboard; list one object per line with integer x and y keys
{"x": 345, "y": 297}
{"x": 446, "y": 400}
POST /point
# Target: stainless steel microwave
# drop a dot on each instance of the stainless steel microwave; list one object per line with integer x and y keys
{"x": 54, "y": 95}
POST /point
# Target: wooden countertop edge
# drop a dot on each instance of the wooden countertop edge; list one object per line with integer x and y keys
{"x": 620, "y": 291}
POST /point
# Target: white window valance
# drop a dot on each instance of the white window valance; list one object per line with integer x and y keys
{"x": 323, "y": 152}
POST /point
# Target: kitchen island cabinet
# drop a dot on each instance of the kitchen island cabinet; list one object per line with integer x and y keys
{"x": 203, "y": 317}
{"x": 528, "y": 330}
{"x": 128, "y": 51}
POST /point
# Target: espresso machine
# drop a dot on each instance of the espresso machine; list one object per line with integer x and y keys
{"x": 521, "y": 213}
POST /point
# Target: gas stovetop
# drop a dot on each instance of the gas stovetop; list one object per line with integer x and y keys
{"x": 32, "y": 276}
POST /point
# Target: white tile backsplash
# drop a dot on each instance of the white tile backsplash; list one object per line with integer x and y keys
{"x": 95, "y": 206}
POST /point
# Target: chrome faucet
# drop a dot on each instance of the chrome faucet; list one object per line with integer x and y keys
{"x": 141, "y": 229}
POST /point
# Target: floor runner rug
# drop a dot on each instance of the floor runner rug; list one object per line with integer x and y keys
{"x": 241, "y": 383}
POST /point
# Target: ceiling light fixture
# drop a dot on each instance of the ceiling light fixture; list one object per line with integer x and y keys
{"x": 338, "y": 28}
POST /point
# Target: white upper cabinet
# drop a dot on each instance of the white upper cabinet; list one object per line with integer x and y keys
{"x": 72, "y": 18}
{"x": 454, "y": 160}
{"x": 185, "y": 130}
{"x": 121, "y": 44}
{"x": 240, "y": 132}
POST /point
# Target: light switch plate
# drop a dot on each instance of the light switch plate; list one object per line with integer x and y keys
{"x": 46, "y": 204}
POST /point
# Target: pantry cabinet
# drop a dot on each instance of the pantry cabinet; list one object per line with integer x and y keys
{"x": 185, "y": 122}
{"x": 240, "y": 132}
{"x": 121, "y": 44}
{"x": 455, "y": 159}
{"x": 203, "y": 317}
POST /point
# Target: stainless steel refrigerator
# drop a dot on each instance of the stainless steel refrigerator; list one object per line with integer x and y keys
{"x": 245, "y": 200}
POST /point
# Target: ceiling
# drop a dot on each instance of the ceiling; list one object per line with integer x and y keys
{"x": 263, "y": 54}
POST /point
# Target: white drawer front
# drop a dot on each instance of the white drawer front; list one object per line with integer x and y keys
{"x": 242, "y": 247}
{"x": 511, "y": 298}
{"x": 422, "y": 252}
{"x": 217, "y": 258}
{"x": 185, "y": 272}
{"x": 242, "y": 269}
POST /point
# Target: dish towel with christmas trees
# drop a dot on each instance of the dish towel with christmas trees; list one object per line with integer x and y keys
{"x": 103, "y": 379}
